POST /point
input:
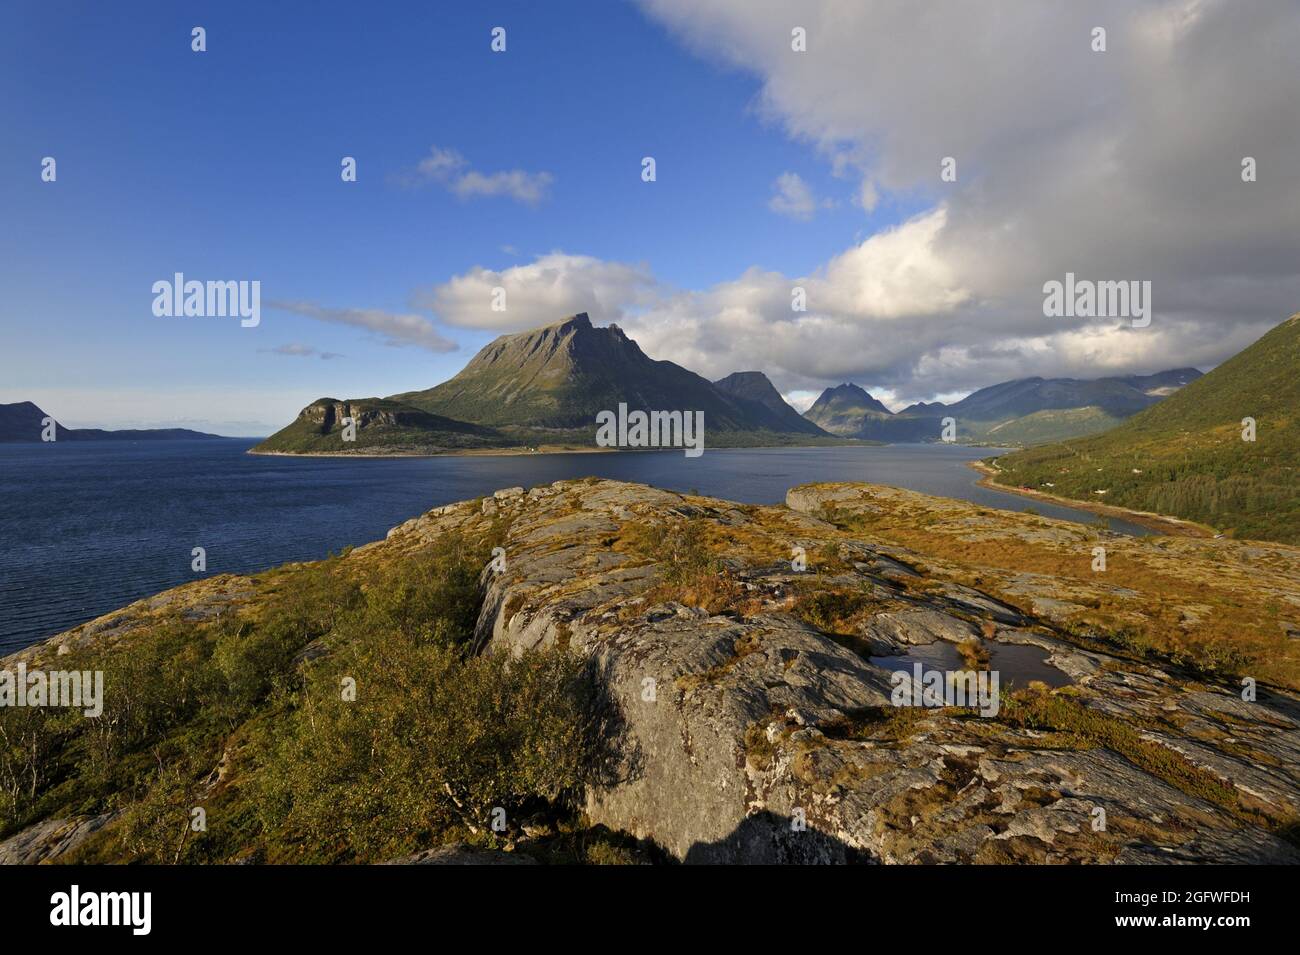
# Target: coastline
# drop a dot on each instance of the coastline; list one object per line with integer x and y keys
{"x": 1161, "y": 523}
{"x": 541, "y": 449}
{"x": 458, "y": 452}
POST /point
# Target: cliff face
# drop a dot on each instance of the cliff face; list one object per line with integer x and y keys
{"x": 328, "y": 415}
{"x": 745, "y": 657}
{"x": 381, "y": 426}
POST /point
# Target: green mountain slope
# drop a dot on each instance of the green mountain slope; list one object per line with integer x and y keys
{"x": 1185, "y": 456}
{"x": 545, "y": 387}
{"x": 1043, "y": 427}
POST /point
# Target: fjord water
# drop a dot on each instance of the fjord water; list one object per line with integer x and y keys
{"x": 88, "y": 527}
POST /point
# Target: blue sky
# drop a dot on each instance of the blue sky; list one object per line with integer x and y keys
{"x": 777, "y": 168}
{"x": 225, "y": 165}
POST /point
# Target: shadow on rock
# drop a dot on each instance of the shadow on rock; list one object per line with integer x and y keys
{"x": 767, "y": 838}
{"x": 616, "y": 757}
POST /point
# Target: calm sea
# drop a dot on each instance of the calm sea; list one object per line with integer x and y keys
{"x": 88, "y": 527}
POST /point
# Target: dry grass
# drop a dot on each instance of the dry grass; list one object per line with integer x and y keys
{"x": 1199, "y": 606}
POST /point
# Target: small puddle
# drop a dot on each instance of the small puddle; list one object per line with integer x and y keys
{"x": 1017, "y": 665}
{"x": 940, "y": 655}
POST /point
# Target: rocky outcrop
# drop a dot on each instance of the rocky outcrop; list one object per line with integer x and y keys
{"x": 49, "y": 839}
{"x": 754, "y": 735}
{"x": 328, "y": 415}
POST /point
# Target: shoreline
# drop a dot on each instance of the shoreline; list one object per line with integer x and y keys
{"x": 541, "y": 449}
{"x": 462, "y": 453}
{"x": 1162, "y": 523}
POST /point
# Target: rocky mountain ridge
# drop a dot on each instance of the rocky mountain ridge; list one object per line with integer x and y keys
{"x": 1024, "y": 411}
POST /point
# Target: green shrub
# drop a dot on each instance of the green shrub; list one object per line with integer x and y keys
{"x": 434, "y": 741}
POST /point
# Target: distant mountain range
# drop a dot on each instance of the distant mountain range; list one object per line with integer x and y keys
{"x": 22, "y": 421}
{"x": 544, "y": 388}
{"x": 1186, "y": 455}
{"x": 1022, "y": 412}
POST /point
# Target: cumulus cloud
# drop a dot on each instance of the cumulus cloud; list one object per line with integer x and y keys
{"x": 393, "y": 329}
{"x": 1117, "y": 165}
{"x": 449, "y": 169}
{"x": 546, "y": 290}
{"x": 896, "y": 273}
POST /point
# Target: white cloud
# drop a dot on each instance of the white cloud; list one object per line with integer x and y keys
{"x": 544, "y": 291}
{"x": 801, "y": 401}
{"x": 299, "y": 350}
{"x": 793, "y": 198}
{"x": 893, "y": 277}
{"x": 526, "y": 187}
{"x": 867, "y": 196}
{"x": 397, "y": 330}
{"x": 450, "y": 169}
{"x": 896, "y": 273}
{"x": 886, "y": 314}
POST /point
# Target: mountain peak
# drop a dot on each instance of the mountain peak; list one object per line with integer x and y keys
{"x": 843, "y": 409}
{"x": 849, "y": 392}
{"x": 748, "y": 377}
{"x": 578, "y": 322}
{"x": 753, "y": 385}
{"x": 763, "y": 403}
{"x": 561, "y": 375}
